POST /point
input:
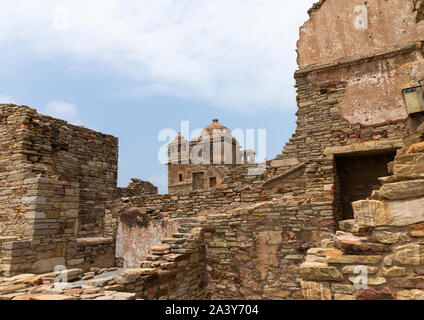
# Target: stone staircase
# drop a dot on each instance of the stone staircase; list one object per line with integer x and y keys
{"x": 379, "y": 255}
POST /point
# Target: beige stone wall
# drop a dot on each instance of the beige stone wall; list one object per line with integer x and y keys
{"x": 58, "y": 179}
{"x": 379, "y": 254}
{"x": 331, "y": 35}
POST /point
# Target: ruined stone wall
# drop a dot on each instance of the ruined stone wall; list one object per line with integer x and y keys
{"x": 254, "y": 252}
{"x": 19, "y": 183}
{"x": 139, "y": 222}
{"x": 175, "y": 269}
{"x": 334, "y": 30}
{"x": 379, "y": 254}
{"x": 350, "y": 79}
{"x": 61, "y": 177}
{"x": 224, "y": 174}
{"x": 137, "y": 187}
{"x": 89, "y": 159}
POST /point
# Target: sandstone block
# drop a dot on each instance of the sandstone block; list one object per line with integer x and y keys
{"x": 320, "y": 272}
{"x": 337, "y": 257}
{"x": 50, "y": 297}
{"x": 410, "y": 254}
{"x": 417, "y": 230}
{"x": 410, "y": 295}
{"x": 403, "y": 190}
{"x": 385, "y": 237}
{"x": 354, "y": 269}
{"x": 343, "y": 297}
{"x": 316, "y": 291}
{"x": 408, "y": 282}
{"x": 394, "y": 272}
{"x": 161, "y": 249}
{"x": 366, "y": 248}
{"x": 375, "y": 294}
{"x": 372, "y": 281}
{"x": 389, "y": 213}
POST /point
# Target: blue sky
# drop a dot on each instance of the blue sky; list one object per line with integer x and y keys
{"x": 132, "y": 68}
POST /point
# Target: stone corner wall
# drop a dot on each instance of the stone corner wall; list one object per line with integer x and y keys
{"x": 56, "y": 181}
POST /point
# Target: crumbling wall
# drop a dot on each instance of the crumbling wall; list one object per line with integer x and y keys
{"x": 338, "y": 29}
{"x": 58, "y": 180}
{"x": 137, "y": 187}
{"x": 253, "y": 252}
{"x": 175, "y": 269}
{"x": 379, "y": 254}
{"x": 138, "y": 232}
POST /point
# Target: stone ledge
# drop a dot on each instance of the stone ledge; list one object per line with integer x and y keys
{"x": 94, "y": 241}
{"x": 365, "y": 147}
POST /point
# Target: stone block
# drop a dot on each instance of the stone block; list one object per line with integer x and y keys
{"x": 403, "y": 190}
{"x": 417, "y": 230}
{"x": 320, "y": 272}
{"x": 415, "y": 294}
{"x": 375, "y": 213}
{"x": 410, "y": 254}
{"x": 375, "y": 294}
{"x": 366, "y": 248}
{"x": 408, "y": 282}
{"x": 161, "y": 249}
{"x": 46, "y": 265}
{"x": 316, "y": 290}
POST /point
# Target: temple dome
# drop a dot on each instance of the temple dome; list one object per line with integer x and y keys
{"x": 217, "y": 127}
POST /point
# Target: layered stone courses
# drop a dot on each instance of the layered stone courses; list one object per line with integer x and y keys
{"x": 282, "y": 234}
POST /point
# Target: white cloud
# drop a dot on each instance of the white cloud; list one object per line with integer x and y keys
{"x": 233, "y": 53}
{"x": 62, "y": 110}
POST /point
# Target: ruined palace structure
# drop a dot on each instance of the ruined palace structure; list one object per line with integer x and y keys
{"x": 204, "y": 162}
{"x": 344, "y": 198}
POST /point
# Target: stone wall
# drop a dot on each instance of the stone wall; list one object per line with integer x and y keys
{"x": 58, "y": 179}
{"x": 175, "y": 269}
{"x": 137, "y": 187}
{"x": 254, "y": 252}
{"x": 379, "y": 254}
{"x": 338, "y": 29}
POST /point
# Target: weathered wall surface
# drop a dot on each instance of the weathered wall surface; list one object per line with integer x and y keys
{"x": 219, "y": 171}
{"x": 58, "y": 179}
{"x": 379, "y": 254}
{"x": 374, "y": 87}
{"x": 137, "y": 187}
{"x": 254, "y": 252}
{"x": 330, "y": 34}
{"x": 137, "y": 233}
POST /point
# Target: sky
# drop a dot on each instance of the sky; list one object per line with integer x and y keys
{"x": 134, "y": 68}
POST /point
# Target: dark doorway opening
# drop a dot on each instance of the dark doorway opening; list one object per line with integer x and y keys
{"x": 198, "y": 180}
{"x": 357, "y": 177}
{"x": 212, "y": 182}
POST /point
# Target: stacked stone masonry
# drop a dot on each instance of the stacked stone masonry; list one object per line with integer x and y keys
{"x": 56, "y": 182}
{"x": 355, "y": 163}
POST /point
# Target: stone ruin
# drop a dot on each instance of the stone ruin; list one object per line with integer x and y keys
{"x": 345, "y": 197}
